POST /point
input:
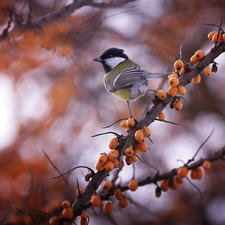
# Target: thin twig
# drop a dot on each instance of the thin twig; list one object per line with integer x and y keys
{"x": 195, "y": 187}
{"x": 114, "y": 123}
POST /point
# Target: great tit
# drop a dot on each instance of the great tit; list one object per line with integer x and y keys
{"x": 123, "y": 78}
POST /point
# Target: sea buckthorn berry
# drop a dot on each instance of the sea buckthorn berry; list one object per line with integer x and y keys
{"x": 54, "y": 221}
{"x": 123, "y": 203}
{"x": 165, "y": 185}
{"x": 67, "y": 213}
{"x": 116, "y": 163}
{"x": 158, "y": 192}
{"x": 103, "y": 159}
{"x": 113, "y": 143}
{"x": 182, "y": 72}
{"x": 161, "y": 94}
{"x": 207, "y": 71}
{"x": 194, "y": 59}
{"x": 130, "y": 123}
{"x": 199, "y": 173}
{"x": 139, "y": 135}
{"x": 118, "y": 194}
{"x": 96, "y": 201}
{"x": 173, "y": 184}
{"x": 99, "y": 166}
{"x": 197, "y": 79}
{"x": 79, "y": 191}
{"x": 107, "y": 185}
{"x": 161, "y": 116}
{"x": 181, "y": 90}
{"x": 129, "y": 152}
{"x": 173, "y": 81}
{"x": 108, "y": 207}
{"x": 172, "y": 75}
{"x": 178, "y": 65}
{"x": 179, "y": 179}
{"x": 109, "y": 166}
{"x": 115, "y": 152}
{"x": 172, "y": 91}
{"x": 182, "y": 171}
{"x": 215, "y": 36}
{"x": 210, "y": 35}
{"x": 193, "y": 174}
{"x": 128, "y": 160}
{"x": 66, "y": 204}
{"x": 84, "y": 215}
{"x": 82, "y": 222}
{"x": 123, "y": 124}
{"x": 134, "y": 158}
{"x": 128, "y": 129}
{"x": 111, "y": 156}
{"x": 223, "y": 38}
{"x": 146, "y": 131}
{"x": 133, "y": 185}
{"x": 206, "y": 165}
{"x": 199, "y": 54}
{"x": 142, "y": 147}
{"x": 178, "y": 105}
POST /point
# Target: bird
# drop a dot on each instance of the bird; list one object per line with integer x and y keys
{"x": 123, "y": 78}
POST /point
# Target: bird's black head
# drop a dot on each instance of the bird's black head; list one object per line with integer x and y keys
{"x": 111, "y": 58}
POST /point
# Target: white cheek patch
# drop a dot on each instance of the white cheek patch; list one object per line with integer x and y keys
{"x": 113, "y": 62}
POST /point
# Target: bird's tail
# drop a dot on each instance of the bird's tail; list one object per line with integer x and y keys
{"x": 157, "y": 75}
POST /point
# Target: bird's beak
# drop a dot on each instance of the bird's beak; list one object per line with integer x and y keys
{"x": 98, "y": 60}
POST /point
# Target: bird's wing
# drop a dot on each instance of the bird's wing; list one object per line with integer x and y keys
{"x": 128, "y": 77}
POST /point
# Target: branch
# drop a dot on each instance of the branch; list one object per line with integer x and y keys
{"x": 60, "y": 14}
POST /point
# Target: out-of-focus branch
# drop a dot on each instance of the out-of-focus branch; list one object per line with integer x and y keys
{"x": 60, "y": 14}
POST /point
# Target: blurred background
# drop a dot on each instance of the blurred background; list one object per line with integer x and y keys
{"x": 52, "y": 99}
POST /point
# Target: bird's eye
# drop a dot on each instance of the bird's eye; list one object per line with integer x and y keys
{"x": 110, "y": 56}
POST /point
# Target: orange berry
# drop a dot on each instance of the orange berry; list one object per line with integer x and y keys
{"x": 178, "y": 105}
{"x": 108, "y": 207}
{"x": 99, "y": 166}
{"x": 179, "y": 179}
{"x": 158, "y": 192}
{"x": 165, "y": 185}
{"x": 161, "y": 94}
{"x": 123, "y": 203}
{"x": 130, "y": 123}
{"x": 96, "y": 201}
{"x": 133, "y": 185}
{"x": 128, "y": 160}
{"x": 111, "y": 156}
{"x": 129, "y": 151}
{"x": 161, "y": 116}
{"x": 207, "y": 71}
{"x": 107, "y": 185}
{"x": 118, "y": 194}
{"x": 199, "y": 54}
{"x": 172, "y": 91}
{"x": 223, "y": 38}
{"x": 182, "y": 171}
{"x": 123, "y": 124}
{"x": 139, "y": 135}
{"x": 116, "y": 152}
{"x": 181, "y": 90}
{"x": 193, "y": 174}
{"x": 142, "y": 147}
{"x": 113, "y": 143}
{"x": 173, "y": 81}
{"x": 79, "y": 191}
{"x": 109, "y": 166}
{"x": 66, "y": 204}
{"x": 182, "y": 72}
{"x": 54, "y": 221}
{"x": 128, "y": 129}
{"x": 67, "y": 213}
{"x": 215, "y": 36}
{"x": 173, "y": 184}
{"x": 84, "y": 215}
{"x": 172, "y": 75}
{"x": 103, "y": 159}
{"x": 199, "y": 173}
{"x": 194, "y": 59}
{"x": 146, "y": 131}
{"x": 116, "y": 163}
{"x": 210, "y": 35}
{"x": 82, "y": 222}
{"x": 197, "y": 79}
{"x": 178, "y": 65}
{"x": 134, "y": 158}
{"x": 206, "y": 165}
